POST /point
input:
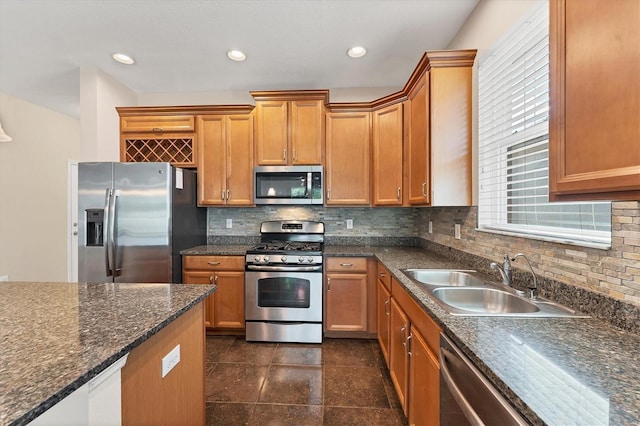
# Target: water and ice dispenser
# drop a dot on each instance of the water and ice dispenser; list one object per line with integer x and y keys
{"x": 95, "y": 227}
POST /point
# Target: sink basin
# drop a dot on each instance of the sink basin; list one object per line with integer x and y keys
{"x": 444, "y": 277}
{"x": 488, "y": 301}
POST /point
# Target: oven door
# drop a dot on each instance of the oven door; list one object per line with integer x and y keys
{"x": 283, "y": 296}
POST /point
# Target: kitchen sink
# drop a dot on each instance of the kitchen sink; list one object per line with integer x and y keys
{"x": 444, "y": 277}
{"x": 466, "y": 293}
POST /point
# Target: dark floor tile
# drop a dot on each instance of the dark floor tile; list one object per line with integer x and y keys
{"x": 228, "y": 413}
{"x": 216, "y": 346}
{"x": 293, "y": 384}
{"x": 378, "y": 356}
{"x": 392, "y": 396}
{"x": 354, "y": 387}
{"x": 297, "y": 354}
{"x": 362, "y": 416}
{"x": 235, "y": 382}
{"x": 249, "y": 352}
{"x": 286, "y": 415}
{"x": 349, "y": 352}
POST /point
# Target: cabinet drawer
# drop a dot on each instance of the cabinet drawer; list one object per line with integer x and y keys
{"x": 346, "y": 264}
{"x": 157, "y": 123}
{"x": 384, "y": 276}
{"x": 214, "y": 263}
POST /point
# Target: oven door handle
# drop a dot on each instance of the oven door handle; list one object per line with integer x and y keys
{"x": 285, "y": 268}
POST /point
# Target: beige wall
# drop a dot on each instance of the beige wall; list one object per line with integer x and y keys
{"x": 33, "y": 190}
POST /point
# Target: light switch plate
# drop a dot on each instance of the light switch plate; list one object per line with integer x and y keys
{"x": 349, "y": 223}
{"x": 170, "y": 360}
{"x": 457, "y": 231}
{"x": 431, "y": 227}
{"x": 229, "y": 223}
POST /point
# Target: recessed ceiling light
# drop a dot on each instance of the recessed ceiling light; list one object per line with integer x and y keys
{"x": 236, "y": 55}
{"x": 122, "y": 58}
{"x": 357, "y": 52}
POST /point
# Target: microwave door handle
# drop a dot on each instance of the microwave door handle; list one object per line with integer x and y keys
{"x": 309, "y": 182}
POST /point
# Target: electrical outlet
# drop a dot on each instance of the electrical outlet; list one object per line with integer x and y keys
{"x": 431, "y": 227}
{"x": 4, "y": 277}
{"x": 229, "y": 223}
{"x": 456, "y": 228}
{"x": 170, "y": 360}
{"x": 349, "y": 223}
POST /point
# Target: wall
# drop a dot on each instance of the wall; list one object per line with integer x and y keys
{"x": 614, "y": 272}
{"x": 33, "y": 190}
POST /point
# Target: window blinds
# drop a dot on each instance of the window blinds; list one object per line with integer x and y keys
{"x": 513, "y": 145}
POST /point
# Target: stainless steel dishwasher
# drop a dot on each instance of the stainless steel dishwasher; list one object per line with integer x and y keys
{"x": 466, "y": 396}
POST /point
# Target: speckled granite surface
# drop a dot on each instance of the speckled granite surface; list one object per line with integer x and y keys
{"x": 54, "y": 337}
{"x": 554, "y": 370}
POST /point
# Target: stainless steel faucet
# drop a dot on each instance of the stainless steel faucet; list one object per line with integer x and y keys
{"x": 505, "y": 270}
{"x": 533, "y": 288}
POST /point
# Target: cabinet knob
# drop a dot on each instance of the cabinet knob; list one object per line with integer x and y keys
{"x": 210, "y": 279}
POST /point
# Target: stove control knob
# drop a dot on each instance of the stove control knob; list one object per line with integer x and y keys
{"x": 266, "y": 258}
{"x": 283, "y": 259}
{"x": 300, "y": 259}
{"x": 309, "y": 259}
{"x": 257, "y": 258}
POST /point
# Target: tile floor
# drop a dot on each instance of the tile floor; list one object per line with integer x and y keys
{"x": 340, "y": 382}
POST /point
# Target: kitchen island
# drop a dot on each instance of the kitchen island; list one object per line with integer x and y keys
{"x": 57, "y": 337}
{"x": 553, "y": 370}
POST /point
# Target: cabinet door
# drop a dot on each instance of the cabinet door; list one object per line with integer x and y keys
{"x": 212, "y": 175}
{"x": 418, "y": 144}
{"x": 424, "y": 383}
{"x": 348, "y": 158}
{"x": 594, "y": 148}
{"x": 272, "y": 133}
{"x": 239, "y": 135}
{"x": 399, "y": 358}
{"x": 387, "y": 156}
{"x": 346, "y": 302}
{"x": 307, "y": 132}
{"x": 384, "y": 319}
{"x": 229, "y": 299}
{"x": 203, "y": 277}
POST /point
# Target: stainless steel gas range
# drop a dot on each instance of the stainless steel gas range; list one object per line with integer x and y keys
{"x": 283, "y": 281}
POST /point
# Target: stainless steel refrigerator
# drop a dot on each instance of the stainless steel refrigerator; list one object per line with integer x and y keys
{"x": 134, "y": 218}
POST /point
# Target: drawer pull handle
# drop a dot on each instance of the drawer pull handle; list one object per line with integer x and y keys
{"x": 213, "y": 263}
{"x": 347, "y": 265}
{"x": 158, "y": 130}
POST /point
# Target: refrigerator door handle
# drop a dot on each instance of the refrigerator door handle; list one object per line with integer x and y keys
{"x": 114, "y": 233}
{"x": 107, "y": 231}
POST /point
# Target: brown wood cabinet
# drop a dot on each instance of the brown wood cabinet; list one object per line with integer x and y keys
{"x": 414, "y": 366}
{"x": 350, "y": 297}
{"x": 224, "y": 309}
{"x": 594, "y": 131}
{"x": 179, "y": 397}
{"x": 348, "y": 165}
{"x": 388, "y": 129}
{"x": 289, "y": 127}
{"x": 384, "y": 310}
{"x": 225, "y": 163}
{"x": 439, "y": 125}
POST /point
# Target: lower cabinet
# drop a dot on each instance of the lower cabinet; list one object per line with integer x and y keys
{"x": 413, "y": 361}
{"x": 350, "y": 308}
{"x": 224, "y": 309}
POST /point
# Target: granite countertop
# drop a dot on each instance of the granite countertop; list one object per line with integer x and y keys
{"x": 217, "y": 250}
{"x": 55, "y": 337}
{"x": 554, "y": 370}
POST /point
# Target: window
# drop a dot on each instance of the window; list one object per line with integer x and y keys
{"x": 513, "y": 142}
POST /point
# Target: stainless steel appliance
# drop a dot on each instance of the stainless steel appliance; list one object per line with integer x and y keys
{"x": 288, "y": 185}
{"x": 134, "y": 218}
{"x": 466, "y": 396}
{"x": 283, "y": 279}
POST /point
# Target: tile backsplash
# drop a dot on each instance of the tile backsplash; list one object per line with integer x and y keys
{"x": 614, "y": 272}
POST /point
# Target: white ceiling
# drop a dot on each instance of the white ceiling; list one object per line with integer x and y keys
{"x": 180, "y": 45}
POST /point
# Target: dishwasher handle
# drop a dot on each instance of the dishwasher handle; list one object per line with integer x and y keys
{"x": 456, "y": 393}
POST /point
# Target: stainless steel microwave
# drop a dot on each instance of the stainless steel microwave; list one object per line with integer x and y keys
{"x": 288, "y": 185}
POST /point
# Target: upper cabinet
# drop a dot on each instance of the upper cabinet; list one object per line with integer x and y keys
{"x": 157, "y": 134}
{"x": 388, "y": 129}
{"x": 438, "y": 147}
{"x": 289, "y": 127}
{"x": 347, "y": 177}
{"x": 594, "y": 133}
